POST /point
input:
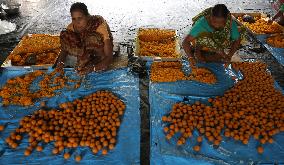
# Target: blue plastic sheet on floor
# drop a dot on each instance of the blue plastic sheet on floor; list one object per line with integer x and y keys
{"x": 162, "y": 96}
{"x": 127, "y": 151}
{"x": 278, "y": 53}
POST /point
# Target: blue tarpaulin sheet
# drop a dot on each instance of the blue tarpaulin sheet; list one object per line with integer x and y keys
{"x": 162, "y": 96}
{"x": 127, "y": 150}
{"x": 278, "y": 53}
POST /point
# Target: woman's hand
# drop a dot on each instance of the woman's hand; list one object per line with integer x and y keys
{"x": 100, "y": 67}
{"x": 223, "y": 56}
{"x": 192, "y": 62}
{"x": 199, "y": 56}
{"x": 81, "y": 70}
{"x": 82, "y": 61}
{"x": 61, "y": 58}
{"x": 60, "y": 65}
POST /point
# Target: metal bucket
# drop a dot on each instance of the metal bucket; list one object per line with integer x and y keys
{"x": 11, "y": 9}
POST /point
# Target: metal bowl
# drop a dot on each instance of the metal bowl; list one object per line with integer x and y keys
{"x": 11, "y": 9}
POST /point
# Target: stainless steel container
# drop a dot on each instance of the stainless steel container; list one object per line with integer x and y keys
{"x": 11, "y": 9}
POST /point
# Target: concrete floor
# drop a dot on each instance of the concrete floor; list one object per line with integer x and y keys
{"x": 124, "y": 18}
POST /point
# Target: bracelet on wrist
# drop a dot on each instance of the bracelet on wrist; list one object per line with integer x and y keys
{"x": 61, "y": 62}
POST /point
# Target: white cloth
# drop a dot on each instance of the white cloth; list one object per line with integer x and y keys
{"x": 6, "y": 27}
{"x": 236, "y": 58}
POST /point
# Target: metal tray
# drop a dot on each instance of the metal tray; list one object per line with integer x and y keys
{"x": 157, "y": 58}
{"x": 7, "y": 64}
{"x": 236, "y": 15}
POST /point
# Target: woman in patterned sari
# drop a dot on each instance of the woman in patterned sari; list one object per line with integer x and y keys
{"x": 87, "y": 43}
{"x": 212, "y": 33}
